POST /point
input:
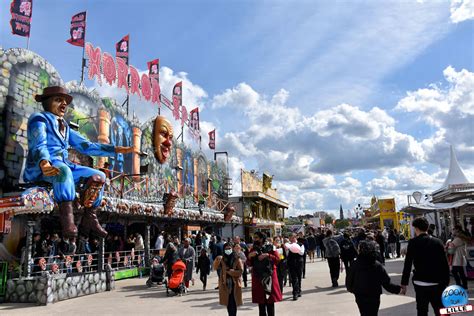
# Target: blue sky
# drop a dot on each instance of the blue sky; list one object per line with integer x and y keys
{"x": 339, "y": 100}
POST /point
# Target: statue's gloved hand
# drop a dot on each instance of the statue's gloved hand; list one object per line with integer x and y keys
{"x": 47, "y": 169}
{"x": 125, "y": 150}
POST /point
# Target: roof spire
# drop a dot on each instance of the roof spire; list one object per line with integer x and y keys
{"x": 455, "y": 174}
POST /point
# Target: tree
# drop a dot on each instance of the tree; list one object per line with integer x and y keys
{"x": 328, "y": 219}
{"x": 342, "y": 223}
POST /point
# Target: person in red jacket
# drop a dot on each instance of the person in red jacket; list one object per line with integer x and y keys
{"x": 265, "y": 288}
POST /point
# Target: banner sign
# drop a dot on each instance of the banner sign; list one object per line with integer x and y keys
{"x": 122, "y": 48}
{"x": 212, "y": 139}
{"x": 102, "y": 65}
{"x": 154, "y": 69}
{"x": 78, "y": 29}
{"x": 21, "y": 11}
{"x": 194, "y": 124}
{"x": 177, "y": 99}
{"x": 184, "y": 115}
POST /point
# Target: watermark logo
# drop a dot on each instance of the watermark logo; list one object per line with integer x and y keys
{"x": 455, "y": 300}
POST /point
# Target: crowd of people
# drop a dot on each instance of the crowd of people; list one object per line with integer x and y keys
{"x": 278, "y": 262}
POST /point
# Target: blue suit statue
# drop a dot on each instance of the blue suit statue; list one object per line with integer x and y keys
{"x": 49, "y": 138}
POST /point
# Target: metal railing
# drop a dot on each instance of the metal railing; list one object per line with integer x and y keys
{"x": 88, "y": 262}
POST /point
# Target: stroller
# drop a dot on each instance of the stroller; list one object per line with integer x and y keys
{"x": 157, "y": 271}
{"x": 176, "y": 281}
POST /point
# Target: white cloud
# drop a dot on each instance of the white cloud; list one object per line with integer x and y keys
{"x": 450, "y": 109}
{"x": 462, "y": 10}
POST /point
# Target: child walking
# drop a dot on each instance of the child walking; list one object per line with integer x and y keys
{"x": 204, "y": 266}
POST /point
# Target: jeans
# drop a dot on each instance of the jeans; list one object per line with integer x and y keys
{"x": 460, "y": 276}
{"x": 368, "y": 305}
{"x": 266, "y": 309}
{"x": 426, "y": 295}
{"x": 296, "y": 270}
{"x": 334, "y": 266}
{"x": 318, "y": 251}
{"x": 231, "y": 304}
{"x": 203, "y": 278}
{"x": 348, "y": 263}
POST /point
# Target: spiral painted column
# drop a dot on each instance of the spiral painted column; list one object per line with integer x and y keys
{"x": 137, "y": 136}
{"x": 104, "y": 132}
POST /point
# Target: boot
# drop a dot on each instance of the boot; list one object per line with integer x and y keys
{"x": 90, "y": 223}
{"x": 66, "y": 218}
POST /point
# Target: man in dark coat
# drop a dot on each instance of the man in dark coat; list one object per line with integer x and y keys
{"x": 295, "y": 261}
{"x": 431, "y": 273}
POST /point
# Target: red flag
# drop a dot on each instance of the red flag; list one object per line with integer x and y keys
{"x": 177, "y": 99}
{"x": 78, "y": 29}
{"x": 194, "y": 120}
{"x": 122, "y": 48}
{"x": 154, "y": 69}
{"x": 21, "y": 11}
{"x": 212, "y": 139}
{"x": 184, "y": 115}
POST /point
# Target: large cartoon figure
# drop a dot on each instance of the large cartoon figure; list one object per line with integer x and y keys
{"x": 162, "y": 139}
{"x": 49, "y": 138}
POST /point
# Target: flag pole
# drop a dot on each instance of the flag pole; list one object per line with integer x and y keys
{"x": 28, "y": 41}
{"x": 84, "y": 50}
{"x": 128, "y": 77}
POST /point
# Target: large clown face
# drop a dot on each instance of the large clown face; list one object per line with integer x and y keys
{"x": 162, "y": 139}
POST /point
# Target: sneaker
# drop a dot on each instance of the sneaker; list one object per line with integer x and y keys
{"x": 295, "y": 298}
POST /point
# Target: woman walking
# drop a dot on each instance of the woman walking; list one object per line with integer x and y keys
{"x": 230, "y": 280}
{"x": 265, "y": 288}
{"x": 459, "y": 256}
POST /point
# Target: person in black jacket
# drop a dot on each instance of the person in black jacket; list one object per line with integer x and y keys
{"x": 366, "y": 277}
{"x": 203, "y": 265}
{"x": 431, "y": 273}
{"x": 348, "y": 251}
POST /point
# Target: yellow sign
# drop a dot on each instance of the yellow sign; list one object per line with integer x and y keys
{"x": 250, "y": 183}
{"x": 386, "y": 205}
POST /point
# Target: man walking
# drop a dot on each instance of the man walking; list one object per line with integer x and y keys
{"x": 295, "y": 261}
{"x": 431, "y": 269}
{"x": 332, "y": 254}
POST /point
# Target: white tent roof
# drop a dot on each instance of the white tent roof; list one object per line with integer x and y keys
{"x": 455, "y": 174}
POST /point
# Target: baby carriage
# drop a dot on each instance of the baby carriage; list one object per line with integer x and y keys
{"x": 176, "y": 281}
{"x": 157, "y": 271}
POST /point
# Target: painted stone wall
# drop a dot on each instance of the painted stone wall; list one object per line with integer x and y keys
{"x": 49, "y": 288}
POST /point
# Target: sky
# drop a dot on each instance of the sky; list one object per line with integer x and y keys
{"x": 339, "y": 100}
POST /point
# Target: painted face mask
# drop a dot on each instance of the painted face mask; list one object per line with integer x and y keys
{"x": 228, "y": 252}
{"x": 162, "y": 138}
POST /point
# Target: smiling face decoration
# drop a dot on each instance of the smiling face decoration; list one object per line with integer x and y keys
{"x": 162, "y": 139}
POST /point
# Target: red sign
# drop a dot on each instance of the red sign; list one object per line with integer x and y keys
{"x": 21, "y": 11}
{"x": 177, "y": 99}
{"x": 212, "y": 139}
{"x": 78, "y": 29}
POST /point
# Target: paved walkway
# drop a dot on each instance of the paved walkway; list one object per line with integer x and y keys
{"x": 132, "y": 297}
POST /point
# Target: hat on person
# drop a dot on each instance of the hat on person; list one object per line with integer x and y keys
{"x": 53, "y": 91}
